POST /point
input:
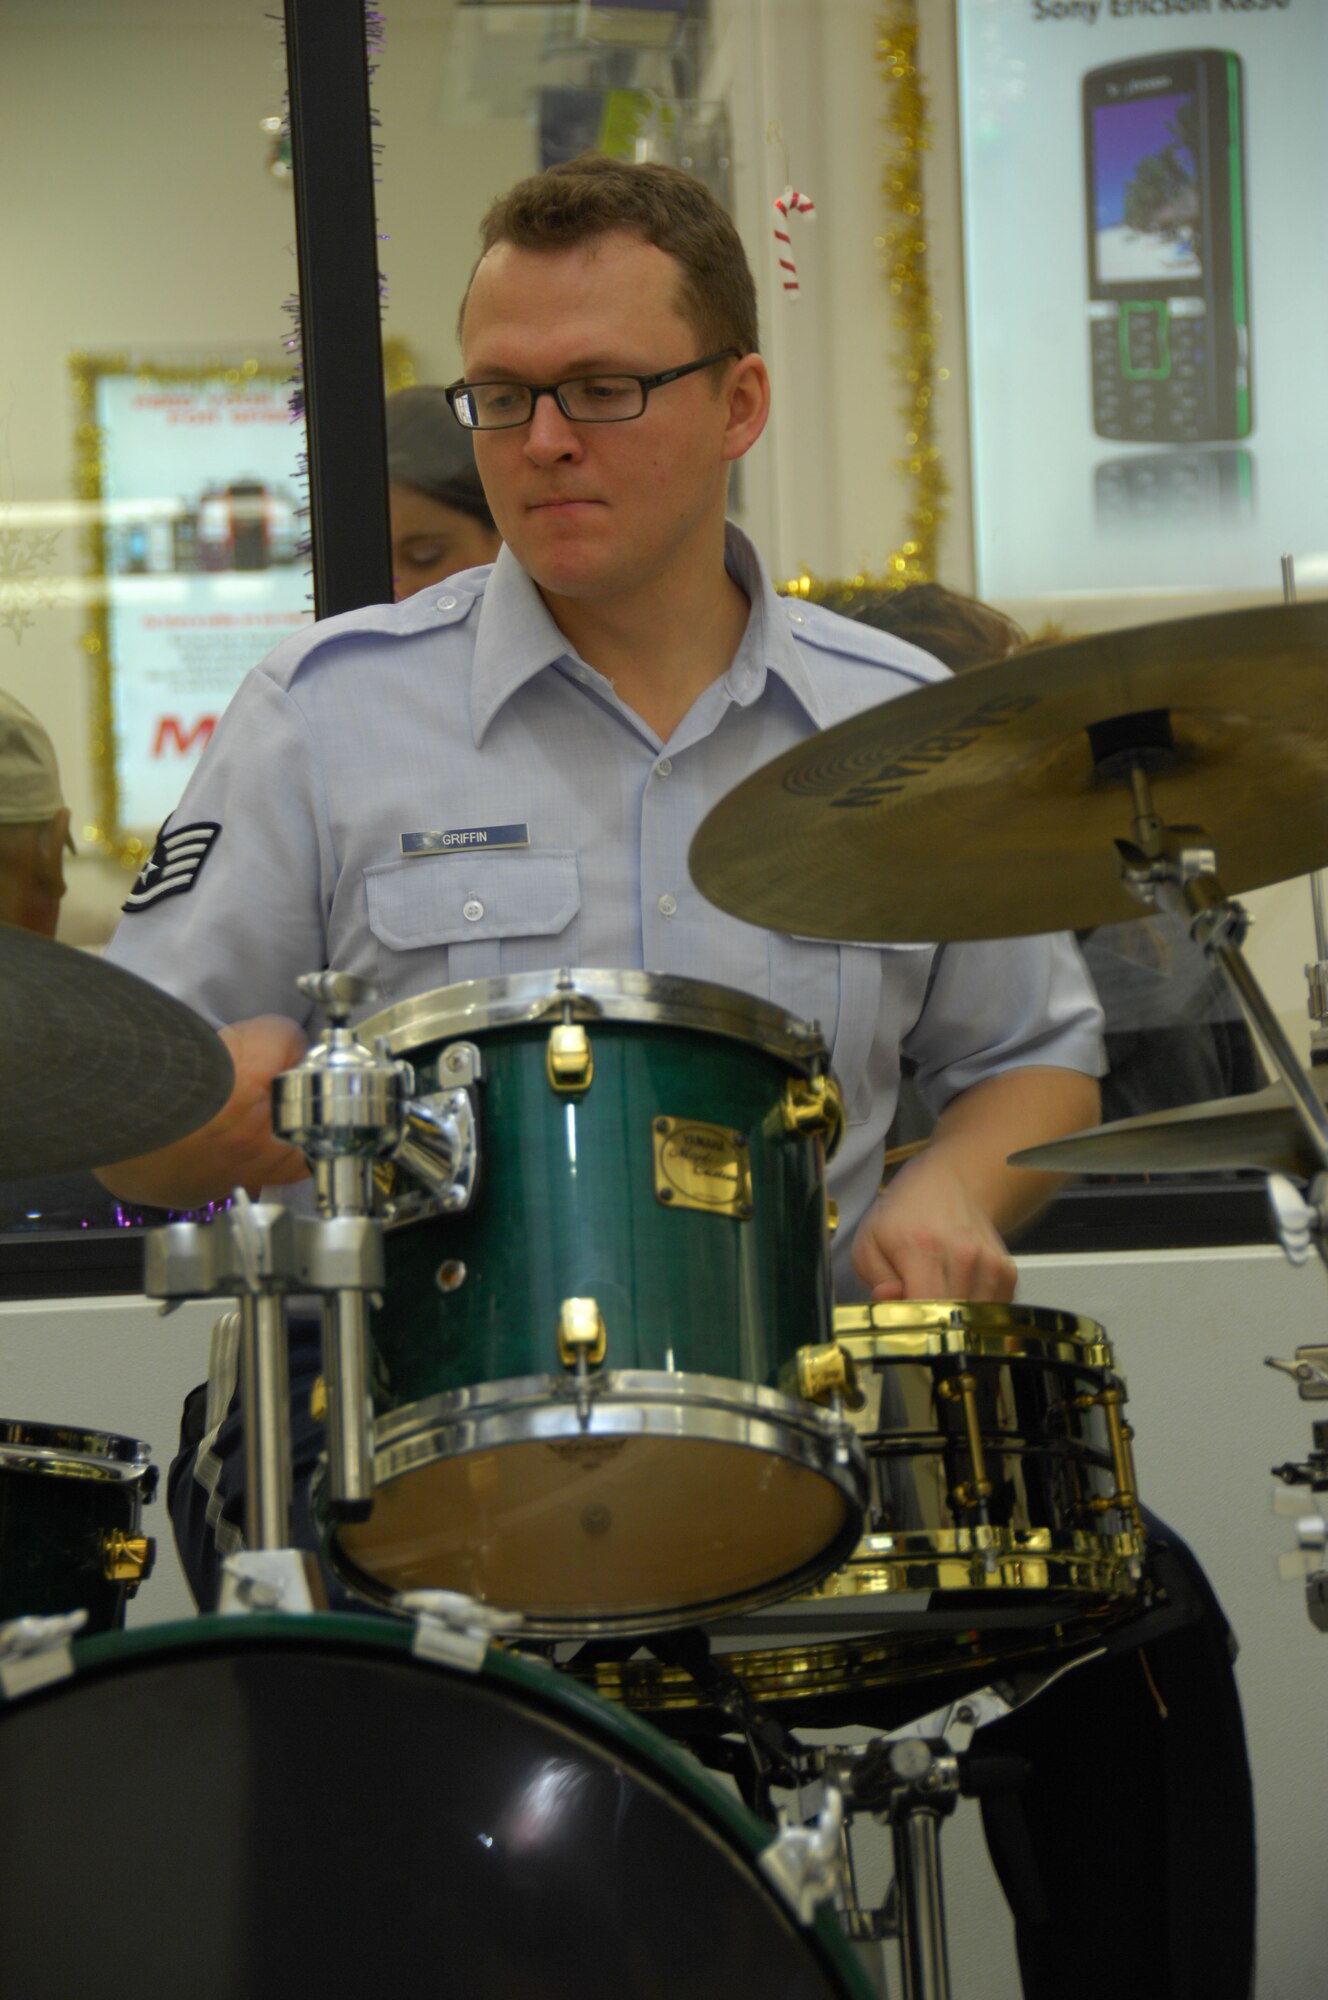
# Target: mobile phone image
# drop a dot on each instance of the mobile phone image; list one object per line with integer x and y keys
{"x": 1181, "y": 489}
{"x": 1168, "y": 256}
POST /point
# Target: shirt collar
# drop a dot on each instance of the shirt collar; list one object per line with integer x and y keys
{"x": 517, "y": 638}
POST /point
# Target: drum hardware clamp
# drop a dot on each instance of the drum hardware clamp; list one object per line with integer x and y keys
{"x": 1299, "y": 1219}
{"x": 582, "y": 1344}
{"x": 34, "y": 1651}
{"x": 805, "y": 1863}
{"x": 452, "y": 1628}
{"x": 829, "y": 1374}
{"x": 814, "y": 1105}
{"x": 128, "y": 1559}
{"x": 569, "y": 1058}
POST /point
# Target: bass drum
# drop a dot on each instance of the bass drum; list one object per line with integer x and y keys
{"x": 262, "y": 1806}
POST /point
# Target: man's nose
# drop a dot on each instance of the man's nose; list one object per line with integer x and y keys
{"x": 551, "y": 435}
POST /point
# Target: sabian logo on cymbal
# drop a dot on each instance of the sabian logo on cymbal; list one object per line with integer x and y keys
{"x": 871, "y": 779}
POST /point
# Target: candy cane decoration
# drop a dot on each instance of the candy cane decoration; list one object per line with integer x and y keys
{"x": 797, "y": 204}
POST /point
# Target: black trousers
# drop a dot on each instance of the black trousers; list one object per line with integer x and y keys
{"x": 1127, "y": 1858}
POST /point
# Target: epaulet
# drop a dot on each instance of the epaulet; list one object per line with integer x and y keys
{"x": 853, "y": 639}
{"x": 430, "y": 610}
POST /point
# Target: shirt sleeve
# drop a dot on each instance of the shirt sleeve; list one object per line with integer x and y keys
{"x": 230, "y": 932}
{"x": 1004, "y": 1003}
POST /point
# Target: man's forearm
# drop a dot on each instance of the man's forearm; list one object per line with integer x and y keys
{"x": 978, "y": 1130}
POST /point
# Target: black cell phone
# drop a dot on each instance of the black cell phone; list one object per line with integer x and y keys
{"x": 1168, "y": 251}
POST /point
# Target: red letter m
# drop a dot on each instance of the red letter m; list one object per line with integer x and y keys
{"x": 170, "y": 730}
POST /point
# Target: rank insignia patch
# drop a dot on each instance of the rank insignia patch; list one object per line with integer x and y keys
{"x": 173, "y": 865}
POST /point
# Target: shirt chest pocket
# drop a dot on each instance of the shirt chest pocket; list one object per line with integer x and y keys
{"x": 441, "y": 918}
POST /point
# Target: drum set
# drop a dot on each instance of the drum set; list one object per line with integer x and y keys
{"x": 626, "y": 1500}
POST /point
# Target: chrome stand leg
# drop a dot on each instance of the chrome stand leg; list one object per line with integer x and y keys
{"x": 265, "y": 1398}
{"x": 924, "y": 1960}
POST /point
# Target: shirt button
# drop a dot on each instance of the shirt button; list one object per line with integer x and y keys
{"x": 664, "y": 767}
{"x": 795, "y": 617}
{"x": 667, "y": 905}
{"x": 447, "y": 602}
{"x": 472, "y": 909}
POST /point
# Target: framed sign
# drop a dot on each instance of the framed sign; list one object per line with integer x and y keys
{"x": 197, "y": 544}
{"x": 1144, "y": 188}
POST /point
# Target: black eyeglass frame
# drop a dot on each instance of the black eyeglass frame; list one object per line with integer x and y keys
{"x": 555, "y": 389}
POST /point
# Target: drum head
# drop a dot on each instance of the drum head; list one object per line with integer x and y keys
{"x": 609, "y": 1534}
{"x": 266, "y": 1807}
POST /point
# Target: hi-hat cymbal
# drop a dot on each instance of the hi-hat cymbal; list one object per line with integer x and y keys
{"x": 979, "y": 807}
{"x": 1223, "y": 1135}
{"x": 95, "y": 1065}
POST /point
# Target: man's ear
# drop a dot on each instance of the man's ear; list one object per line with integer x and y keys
{"x": 51, "y": 839}
{"x": 748, "y": 393}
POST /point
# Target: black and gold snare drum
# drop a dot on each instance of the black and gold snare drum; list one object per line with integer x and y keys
{"x": 1003, "y": 1521}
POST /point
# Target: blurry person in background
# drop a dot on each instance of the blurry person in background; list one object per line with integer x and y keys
{"x": 440, "y": 518}
{"x": 34, "y": 823}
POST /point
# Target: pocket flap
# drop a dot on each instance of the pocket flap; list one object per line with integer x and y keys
{"x": 451, "y": 899}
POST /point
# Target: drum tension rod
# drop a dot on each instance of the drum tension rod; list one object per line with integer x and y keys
{"x": 1119, "y": 1437}
{"x": 974, "y": 1492}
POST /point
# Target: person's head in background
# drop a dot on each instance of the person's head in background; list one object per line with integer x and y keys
{"x": 440, "y": 519}
{"x": 957, "y": 630}
{"x": 34, "y": 823}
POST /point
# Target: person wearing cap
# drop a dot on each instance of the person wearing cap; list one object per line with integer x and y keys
{"x": 440, "y": 519}
{"x": 34, "y": 822}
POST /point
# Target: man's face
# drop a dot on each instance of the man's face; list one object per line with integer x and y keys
{"x": 597, "y": 511}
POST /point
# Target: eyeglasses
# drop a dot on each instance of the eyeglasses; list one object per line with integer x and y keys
{"x": 586, "y": 399}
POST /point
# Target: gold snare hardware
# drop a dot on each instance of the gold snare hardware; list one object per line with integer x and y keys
{"x": 1119, "y": 1436}
{"x": 814, "y": 1105}
{"x": 569, "y": 1059}
{"x": 582, "y": 1336}
{"x": 826, "y": 1372}
{"x": 127, "y": 1559}
{"x": 962, "y": 1389}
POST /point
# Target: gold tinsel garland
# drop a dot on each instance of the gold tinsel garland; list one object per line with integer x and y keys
{"x": 902, "y": 246}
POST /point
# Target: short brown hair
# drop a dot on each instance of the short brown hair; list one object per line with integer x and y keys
{"x": 590, "y": 196}
{"x": 961, "y": 631}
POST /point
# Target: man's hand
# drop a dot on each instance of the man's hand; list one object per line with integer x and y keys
{"x": 237, "y": 1148}
{"x": 937, "y": 1229}
{"x": 926, "y": 1238}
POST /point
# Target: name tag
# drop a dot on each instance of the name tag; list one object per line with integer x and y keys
{"x": 459, "y": 837}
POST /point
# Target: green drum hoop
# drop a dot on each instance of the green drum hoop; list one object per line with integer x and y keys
{"x": 587, "y": 1390}
{"x": 317, "y": 1804}
{"x": 71, "y": 1504}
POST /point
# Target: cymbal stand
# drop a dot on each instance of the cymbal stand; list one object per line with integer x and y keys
{"x": 1174, "y": 868}
{"x": 1316, "y": 973}
{"x": 909, "y": 1780}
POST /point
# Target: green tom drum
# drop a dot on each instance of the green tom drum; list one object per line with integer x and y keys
{"x": 71, "y": 1505}
{"x": 586, "y": 1382}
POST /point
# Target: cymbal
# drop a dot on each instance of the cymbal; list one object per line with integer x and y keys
{"x": 96, "y": 1065}
{"x": 1222, "y": 1135}
{"x": 979, "y": 807}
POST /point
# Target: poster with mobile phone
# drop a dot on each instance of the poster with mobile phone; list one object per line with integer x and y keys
{"x": 1143, "y": 189}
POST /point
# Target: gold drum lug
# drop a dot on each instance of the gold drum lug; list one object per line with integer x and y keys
{"x": 582, "y": 1336}
{"x": 826, "y": 1372}
{"x": 318, "y": 1399}
{"x": 127, "y": 1559}
{"x": 831, "y": 1216}
{"x": 569, "y": 1059}
{"x": 962, "y": 1389}
{"x": 1120, "y": 1438}
{"x": 814, "y": 1107}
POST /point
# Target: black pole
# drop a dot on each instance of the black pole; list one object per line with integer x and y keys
{"x": 337, "y": 247}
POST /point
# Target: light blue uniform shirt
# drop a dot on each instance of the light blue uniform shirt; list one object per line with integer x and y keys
{"x": 464, "y": 708}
